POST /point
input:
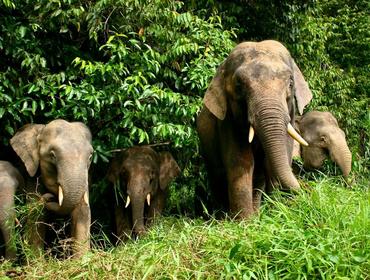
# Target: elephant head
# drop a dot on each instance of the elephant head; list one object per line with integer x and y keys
{"x": 142, "y": 175}
{"x": 324, "y": 136}
{"x": 257, "y": 87}
{"x": 63, "y": 152}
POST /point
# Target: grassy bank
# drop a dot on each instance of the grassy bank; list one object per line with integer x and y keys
{"x": 321, "y": 233}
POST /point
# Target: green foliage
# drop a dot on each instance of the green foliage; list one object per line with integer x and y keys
{"x": 133, "y": 71}
{"x": 331, "y": 46}
{"x": 320, "y": 233}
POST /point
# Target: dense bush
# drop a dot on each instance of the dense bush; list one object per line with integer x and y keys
{"x": 332, "y": 46}
{"x": 134, "y": 71}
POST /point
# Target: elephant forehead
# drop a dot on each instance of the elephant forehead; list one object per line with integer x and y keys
{"x": 273, "y": 47}
{"x": 264, "y": 48}
{"x": 260, "y": 75}
{"x": 63, "y": 131}
{"x": 322, "y": 122}
{"x": 321, "y": 118}
{"x": 330, "y": 131}
{"x": 265, "y": 70}
{"x": 139, "y": 163}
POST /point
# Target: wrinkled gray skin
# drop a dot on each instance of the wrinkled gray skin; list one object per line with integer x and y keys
{"x": 10, "y": 181}
{"x": 257, "y": 85}
{"x": 63, "y": 152}
{"x": 137, "y": 172}
{"x": 321, "y": 131}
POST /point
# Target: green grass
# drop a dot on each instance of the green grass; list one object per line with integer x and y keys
{"x": 320, "y": 233}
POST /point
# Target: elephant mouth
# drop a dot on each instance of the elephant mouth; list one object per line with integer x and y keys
{"x": 128, "y": 200}
{"x": 291, "y": 131}
{"x": 61, "y": 196}
{"x": 61, "y": 203}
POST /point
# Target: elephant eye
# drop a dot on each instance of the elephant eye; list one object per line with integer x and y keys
{"x": 90, "y": 157}
{"x": 52, "y": 155}
{"x": 151, "y": 178}
{"x": 291, "y": 82}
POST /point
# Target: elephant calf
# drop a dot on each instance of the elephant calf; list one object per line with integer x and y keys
{"x": 10, "y": 180}
{"x": 140, "y": 175}
{"x": 322, "y": 132}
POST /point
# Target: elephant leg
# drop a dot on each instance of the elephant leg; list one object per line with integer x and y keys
{"x": 237, "y": 156}
{"x": 7, "y": 216}
{"x": 81, "y": 220}
{"x": 259, "y": 178}
{"x": 35, "y": 227}
{"x": 218, "y": 184}
{"x": 239, "y": 162}
{"x": 156, "y": 206}
{"x": 259, "y": 186}
{"x": 207, "y": 130}
{"x": 240, "y": 184}
{"x": 270, "y": 181}
{"x": 10, "y": 247}
{"x": 122, "y": 219}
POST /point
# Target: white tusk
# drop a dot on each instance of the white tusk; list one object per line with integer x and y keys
{"x": 60, "y": 196}
{"x": 86, "y": 198}
{"x": 294, "y": 134}
{"x": 148, "y": 199}
{"x": 127, "y": 202}
{"x": 251, "y": 134}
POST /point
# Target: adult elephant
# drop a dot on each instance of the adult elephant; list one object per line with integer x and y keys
{"x": 10, "y": 181}
{"x": 63, "y": 151}
{"x": 253, "y": 92}
{"x": 141, "y": 176}
{"x": 324, "y": 136}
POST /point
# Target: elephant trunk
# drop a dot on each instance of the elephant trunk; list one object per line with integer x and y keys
{"x": 138, "y": 203}
{"x": 138, "y": 216}
{"x": 73, "y": 193}
{"x": 341, "y": 155}
{"x": 72, "y": 189}
{"x": 271, "y": 124}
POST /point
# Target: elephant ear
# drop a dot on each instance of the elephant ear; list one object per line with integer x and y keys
{"x": 84, "y": 129}
{"x": 25, "y": 144}
{"x": 297, "y": 121}
{"x": 168, "y": 169}
{"x": 303, "y": 93}
{"x": 215, "y": 99}
{"x": 115, "y": 168}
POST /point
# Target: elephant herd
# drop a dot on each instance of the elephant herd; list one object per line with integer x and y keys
{"x": 246, "y": 131}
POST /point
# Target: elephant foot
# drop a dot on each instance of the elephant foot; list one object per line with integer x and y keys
{"x": 138, "y": 232}
{"x": 293, "y": 189}
{"x": 10, "y": 254}
{"x": 80, "y": 248}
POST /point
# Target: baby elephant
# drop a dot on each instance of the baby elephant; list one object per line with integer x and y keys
{"x": 321, "y": 131}
{"x": 140, "y": 175}
{"x": 10, "y": 180}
